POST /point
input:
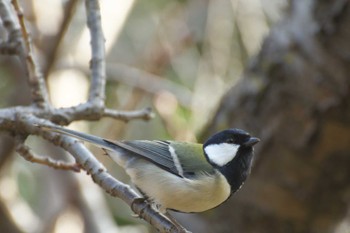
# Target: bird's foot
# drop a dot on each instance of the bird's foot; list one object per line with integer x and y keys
{"x": 137, "y": 202}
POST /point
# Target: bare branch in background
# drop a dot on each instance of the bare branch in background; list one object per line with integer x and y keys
{"x": 64, "y": 116}
{"x": 148, "y": 82}
{"x": 10, "y": 21}
{"x": 36, "y": 79}
{"x": 97, "y": 63}
{"x": 145, "y": 114}
{"x": 27, "y": 154}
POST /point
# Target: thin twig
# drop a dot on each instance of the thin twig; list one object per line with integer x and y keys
{"x": 148, "y": 82}
{"x": 28, "y": 155}
{"x": 36, "y": 79}
{"x": 97, "y": 64}
{"x": 64, "y": 116}
{"x": 145, "y": 114}
{"x": 10, "y": 22}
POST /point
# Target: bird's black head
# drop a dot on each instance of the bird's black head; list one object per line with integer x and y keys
{"x": 231, "y": 152}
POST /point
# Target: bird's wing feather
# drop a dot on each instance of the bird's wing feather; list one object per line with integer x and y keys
{"x": 158, "y": 153}
{"x": 192, "y": 158}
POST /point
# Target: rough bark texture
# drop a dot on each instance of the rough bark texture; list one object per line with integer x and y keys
{"x": 295, "y": 96}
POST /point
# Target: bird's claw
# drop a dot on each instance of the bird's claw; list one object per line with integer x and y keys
{"x": 138, "y": 201}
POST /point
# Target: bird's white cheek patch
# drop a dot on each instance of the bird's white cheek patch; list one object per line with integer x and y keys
{"x": 221, "y": 154}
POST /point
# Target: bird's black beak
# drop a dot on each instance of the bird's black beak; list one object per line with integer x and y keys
{"x": 251, "y": 141}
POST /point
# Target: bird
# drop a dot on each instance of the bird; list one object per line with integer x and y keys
{"x": 181, "y": 176}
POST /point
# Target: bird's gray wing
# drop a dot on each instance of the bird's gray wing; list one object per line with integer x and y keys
{"x": 156, "y": 152}
{"x": 184, "y": 161}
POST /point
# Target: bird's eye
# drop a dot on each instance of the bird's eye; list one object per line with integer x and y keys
{"x": 229, "y": 140}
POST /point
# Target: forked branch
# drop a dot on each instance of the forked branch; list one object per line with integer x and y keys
{"x": 22, "y": 121}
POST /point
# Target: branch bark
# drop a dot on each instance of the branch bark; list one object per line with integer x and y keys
{"x": 98, "y": 64}
{"x": 40, "y": 95}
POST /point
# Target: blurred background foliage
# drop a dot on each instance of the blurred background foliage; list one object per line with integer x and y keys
{"x": 178, "y": 57}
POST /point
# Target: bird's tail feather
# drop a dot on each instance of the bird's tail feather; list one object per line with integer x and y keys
{"x": 98, "y": 141}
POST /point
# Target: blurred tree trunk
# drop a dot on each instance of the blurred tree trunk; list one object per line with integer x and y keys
{"x": 295, "y": 96}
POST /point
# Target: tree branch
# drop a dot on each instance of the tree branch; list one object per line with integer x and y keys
{"x": 145, "y": 114}
{"x": 64, "y": 116}
{"x": 36, "y": 79}
{"x": 28, "y": 155}
{"x": 13, "y": 42}
{"x": 97, "y": 65}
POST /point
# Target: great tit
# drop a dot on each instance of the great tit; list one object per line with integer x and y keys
{"x": 182, "y": 176}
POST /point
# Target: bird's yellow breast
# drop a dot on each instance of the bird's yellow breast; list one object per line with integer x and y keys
{"x": 181, "y": 194}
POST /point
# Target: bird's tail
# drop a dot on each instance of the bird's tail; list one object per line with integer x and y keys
{"x": 98, "y": 141}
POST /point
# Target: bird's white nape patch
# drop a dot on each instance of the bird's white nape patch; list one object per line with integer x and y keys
{"x": 221, "y": 154}
{"x": 176, "y": 161}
